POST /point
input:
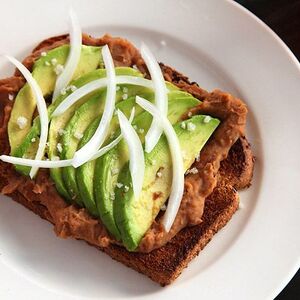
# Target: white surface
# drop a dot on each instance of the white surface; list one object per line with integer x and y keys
{"x": 218, "y": 44}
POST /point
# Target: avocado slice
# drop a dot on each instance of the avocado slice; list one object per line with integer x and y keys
{"x": 85, "y": 173}
{"x": 43, "y": 73}
{"x": 81, "y": 120}
{"x": 135, "y": 216}
{"x": 107, "y": 166}
{"x": 27, "y": 148}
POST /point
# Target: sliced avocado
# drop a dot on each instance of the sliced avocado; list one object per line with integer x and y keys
{"x": 81, "y": 120}
{"x": 43, "y": 73}
{"x": 27, "y": 148}
{"x": 108, "y": 166}
{"x": 85, "y": 173}
{"x": 135, "y": 216}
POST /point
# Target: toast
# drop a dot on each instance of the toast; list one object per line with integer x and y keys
{"x": 165, "y": 264}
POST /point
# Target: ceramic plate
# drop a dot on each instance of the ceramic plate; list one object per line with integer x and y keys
{"x": 220, "y": 45}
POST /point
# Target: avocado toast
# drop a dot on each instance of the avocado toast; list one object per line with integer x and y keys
{"x": 76, "y": 213}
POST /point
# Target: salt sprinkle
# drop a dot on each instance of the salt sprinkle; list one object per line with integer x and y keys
{"x": 190, "y": 114}
{"x": 61, "y": 132}
{"x": 114, "y": 171}
{"x": 59, "y": 147}
{"x": 164, "y": 207}
{"x": 119, "y": 185}
{"x": 126, "y": 188}
{"x": 33, "y": 140}
{"x": 158, "y": 174}
{"x": 44, "y": 53}
{"x": 124, "y": 96}
{"x": 192, "y": 171}
{"x": 125, "y": 89}
{"x": 191, "y": 126}
{"x": 47, "y": 63}
{"x": 183, "y": 125}
{"x": 11, "y": 97}
{"x": 53, "y": 61}
{"x": 22, "y": 122}
{"x": 141, "y": 130}
{"x": 78, "y": 135}
{"x": 153, "y": 162}
{"x": 58, "y": 69}
{"x": 207, "y": 119}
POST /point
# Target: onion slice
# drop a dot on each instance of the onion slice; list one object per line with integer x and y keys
{"x": 88, "y": 150}
{"x": 48, "y": 164}
{"x": 42, "y": 110}
{"x": 136, "y": 154}
{"x": 161, "y": 98}
{"x": 73, "y": 58}
{"x": 95, "y": 85}
{"x": 177, "y": 187}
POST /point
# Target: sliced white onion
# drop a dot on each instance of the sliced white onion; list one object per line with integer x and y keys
{"x": 177, "y": 187}
{"x": 161, "y": 98}
{"x": 49, "y": 164}
{"x": 88, "y": 150}
{"x": 95, "y": 85}
{"x": 136, "y": 154}
{"x": 36, "y": 163}
{"x": 73, "y": 58}
{"x": 42, "y": 110}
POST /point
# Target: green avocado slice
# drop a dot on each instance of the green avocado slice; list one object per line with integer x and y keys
{"x": 81, "y": 120}
{"x": 85, "y": 173}
{"x": 43, "y": 73}
{"x": 107, "y": 166}
{"x": 60, "y": 122}
{"x": 135, "y": 216}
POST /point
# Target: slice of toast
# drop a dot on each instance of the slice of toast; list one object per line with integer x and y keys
{"x": 162, "y": 265}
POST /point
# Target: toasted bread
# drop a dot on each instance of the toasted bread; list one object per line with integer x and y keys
{"x": 165, "y": 264}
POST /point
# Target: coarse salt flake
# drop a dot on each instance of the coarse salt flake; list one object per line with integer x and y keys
{"x": 114, "y": 171}
{"x": 59, "y": 147}
{"x": 191, "y": 126}
{"x": 58, "y": 69}
{"x": 78, "y": 135}
{"x": 125, "y": 96}
{"x": 53, "y": 61}
{"x": 22, "y": 122}
{"x": 207, "y": 119}
{"x": 61, "y": 131}
{"x": 119, "y": 185}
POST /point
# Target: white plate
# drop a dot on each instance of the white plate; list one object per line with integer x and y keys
{"x": 220, "y": 45}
